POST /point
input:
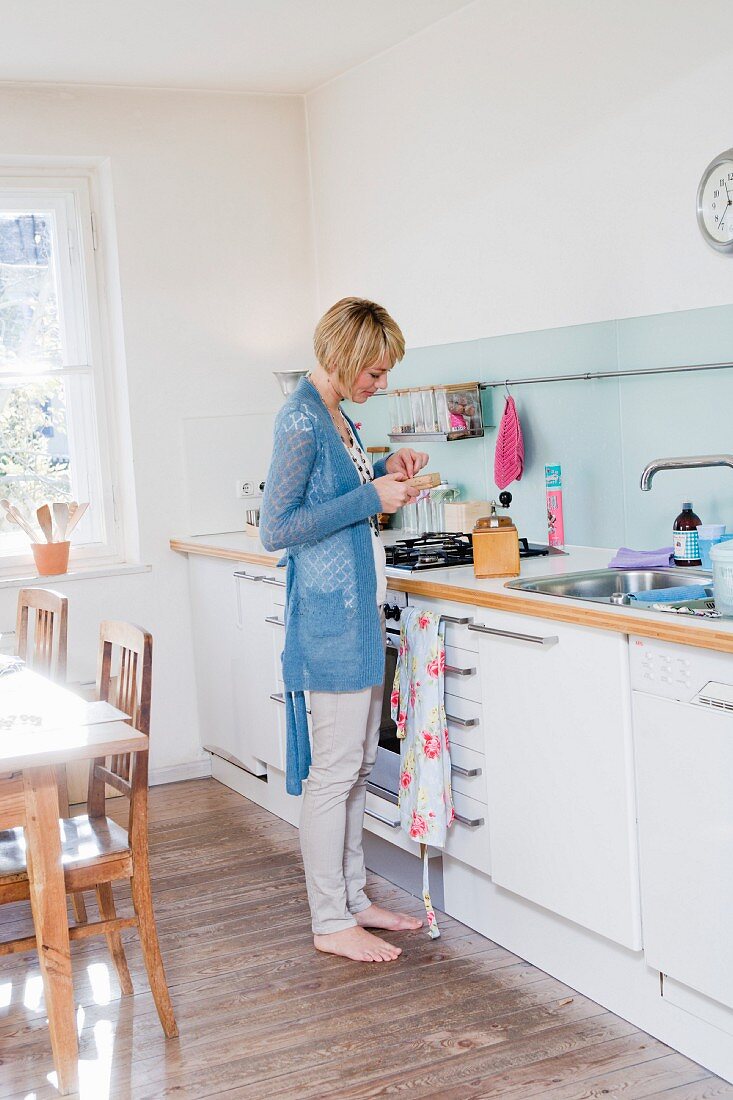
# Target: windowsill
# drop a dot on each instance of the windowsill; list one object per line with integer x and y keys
{"x": 84, "y": 573}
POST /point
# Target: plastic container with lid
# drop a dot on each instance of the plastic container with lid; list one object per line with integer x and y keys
{"x": 721, "y": 556}
{"x": 707, "y": 536}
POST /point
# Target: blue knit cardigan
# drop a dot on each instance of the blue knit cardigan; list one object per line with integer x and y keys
{"x": 316, "y": 509}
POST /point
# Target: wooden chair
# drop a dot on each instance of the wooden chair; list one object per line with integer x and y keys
{"x": 49, "y": 635}
{"x": 97, "y": 851}
{"x": 41, "y": 634}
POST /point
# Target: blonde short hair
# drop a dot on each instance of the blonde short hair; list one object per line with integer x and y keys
{"x": 353, "y": 335}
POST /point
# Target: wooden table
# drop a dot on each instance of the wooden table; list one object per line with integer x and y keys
{"x": 42, "y": 725}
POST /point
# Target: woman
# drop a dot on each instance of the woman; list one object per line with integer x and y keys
{"x": 320, "y": 504}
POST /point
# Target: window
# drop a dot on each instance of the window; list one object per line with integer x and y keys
{"x": 54, "y": 442}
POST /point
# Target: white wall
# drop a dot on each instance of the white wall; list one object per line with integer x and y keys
{"x": 526, "y": 165}
{"x": 216, "y": 272}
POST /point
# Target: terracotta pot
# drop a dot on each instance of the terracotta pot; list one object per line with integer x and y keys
{"x": 51, "y": 558}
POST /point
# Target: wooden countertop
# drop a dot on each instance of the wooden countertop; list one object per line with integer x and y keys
{"x": 460, "y": 586}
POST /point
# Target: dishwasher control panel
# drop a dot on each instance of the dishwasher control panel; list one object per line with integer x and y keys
{"x": 675, "y": 671}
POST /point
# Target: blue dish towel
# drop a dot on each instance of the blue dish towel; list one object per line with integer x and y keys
{"x": 671, "y": 595}
{"x": 641, "y": 559}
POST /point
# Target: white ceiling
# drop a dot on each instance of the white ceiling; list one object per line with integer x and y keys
{"x": 286, "y": 46}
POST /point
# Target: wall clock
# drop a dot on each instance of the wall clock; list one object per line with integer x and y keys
{"x": 715, "y": 203}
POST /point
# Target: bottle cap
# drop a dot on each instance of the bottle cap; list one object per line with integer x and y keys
{"x": 687, "y": 506}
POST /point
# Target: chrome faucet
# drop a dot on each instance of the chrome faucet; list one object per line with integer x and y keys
{"x": 692, "y": 463}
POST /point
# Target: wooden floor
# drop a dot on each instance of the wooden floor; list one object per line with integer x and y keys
{"x": 261, "y": 1015}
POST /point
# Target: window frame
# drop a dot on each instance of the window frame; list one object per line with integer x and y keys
{"x": 85, "y": 313}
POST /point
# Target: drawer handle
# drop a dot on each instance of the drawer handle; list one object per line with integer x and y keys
{"x": 450, "y": 669}
{"x": 467, "y": 773}
{"x": 458, "y": 622}
{"x": 273, "y": 580}
{"x": 535, "y": 638}
{"x": 471, "y": 823}
{"x": 465, "y": 722}
{"x": 384, "y": 820}
{"x": 248, "y": 576}
{"x": 274, "y": 620}
{"x": 279, "y": 697}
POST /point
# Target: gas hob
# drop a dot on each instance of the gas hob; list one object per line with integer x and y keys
{"x": 443, "y": 549}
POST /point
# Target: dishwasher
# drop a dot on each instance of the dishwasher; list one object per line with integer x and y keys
{"x": 683, "y": 747}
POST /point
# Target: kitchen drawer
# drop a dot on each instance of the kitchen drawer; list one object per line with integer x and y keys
{"x": 471, "y": 736}
{"x": 465, "y": 681}
{"x": 456, "y": 633}
{"x": 467, "y": 760}
{"x": 470, "y": 842}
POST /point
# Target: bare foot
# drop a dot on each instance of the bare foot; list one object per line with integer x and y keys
{"x": 357, "y": 944}
{"x": 376, "y": 917}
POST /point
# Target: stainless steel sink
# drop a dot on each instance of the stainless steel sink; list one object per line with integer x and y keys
{"x": 613, "y": 586}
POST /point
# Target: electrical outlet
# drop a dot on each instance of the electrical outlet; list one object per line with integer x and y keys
{"x": 246, "y": 487}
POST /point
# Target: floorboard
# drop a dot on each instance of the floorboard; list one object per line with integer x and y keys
{"x": 261, "y": 1014}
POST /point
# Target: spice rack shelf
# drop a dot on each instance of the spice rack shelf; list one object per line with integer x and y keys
{"x": 433, "y": 437}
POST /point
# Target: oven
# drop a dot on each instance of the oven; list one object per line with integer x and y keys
{"x": 385, "y": 777}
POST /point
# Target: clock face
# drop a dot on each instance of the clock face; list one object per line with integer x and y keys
{"x": 715, "y": 202}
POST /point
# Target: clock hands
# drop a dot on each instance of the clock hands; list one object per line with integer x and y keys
{"x": 727, "y": 205}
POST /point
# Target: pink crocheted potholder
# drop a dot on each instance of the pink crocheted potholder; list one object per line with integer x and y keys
{"x": 509, "y": 457}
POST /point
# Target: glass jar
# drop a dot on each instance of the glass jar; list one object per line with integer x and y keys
{"x": 463, "y": 408}
{"x": 409, "y": 518}
{"x": 438, "y": 496}
{"x": 416, "y": 412}
{"x": 429, "y": 409}
{"x": 424, "y": 514}
{"x": 395, "y": 412}
{"x": 441, "y": 409}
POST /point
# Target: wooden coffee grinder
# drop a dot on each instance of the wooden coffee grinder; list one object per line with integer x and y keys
{"x": 496, "y": 543}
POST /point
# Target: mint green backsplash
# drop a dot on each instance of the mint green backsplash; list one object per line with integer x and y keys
{"x": 602, "y": 432}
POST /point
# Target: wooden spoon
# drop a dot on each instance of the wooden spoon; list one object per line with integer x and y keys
{"x": 61, "y": 519}
{"x": 18, "y": 519}
{"x": 75, "y": 517}
{"x": 43, "y": 515}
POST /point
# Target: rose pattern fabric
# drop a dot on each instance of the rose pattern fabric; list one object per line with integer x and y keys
{"x": 425, "y": 798}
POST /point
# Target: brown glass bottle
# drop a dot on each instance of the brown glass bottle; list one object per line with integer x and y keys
{"x": 684, "y": 537}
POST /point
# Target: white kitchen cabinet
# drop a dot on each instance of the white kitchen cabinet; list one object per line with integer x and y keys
{"x": 559, "y": 769}
{"x": 214, "y": 615}
{"x": 258, "y": 642}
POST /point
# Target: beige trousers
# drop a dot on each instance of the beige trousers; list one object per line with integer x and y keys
{"x": 345, "y": 727}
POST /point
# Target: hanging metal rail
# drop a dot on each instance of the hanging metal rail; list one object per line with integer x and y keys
{"x": 591, "y": 375}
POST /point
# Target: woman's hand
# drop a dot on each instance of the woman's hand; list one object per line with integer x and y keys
{"x": 407, "y": 462}
{"x": 394, "y": 491}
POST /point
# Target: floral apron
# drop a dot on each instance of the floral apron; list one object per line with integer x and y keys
{"x": 425, "y": 799}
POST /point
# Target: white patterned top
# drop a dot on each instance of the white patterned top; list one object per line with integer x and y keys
{"x": 366, "y": 473}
